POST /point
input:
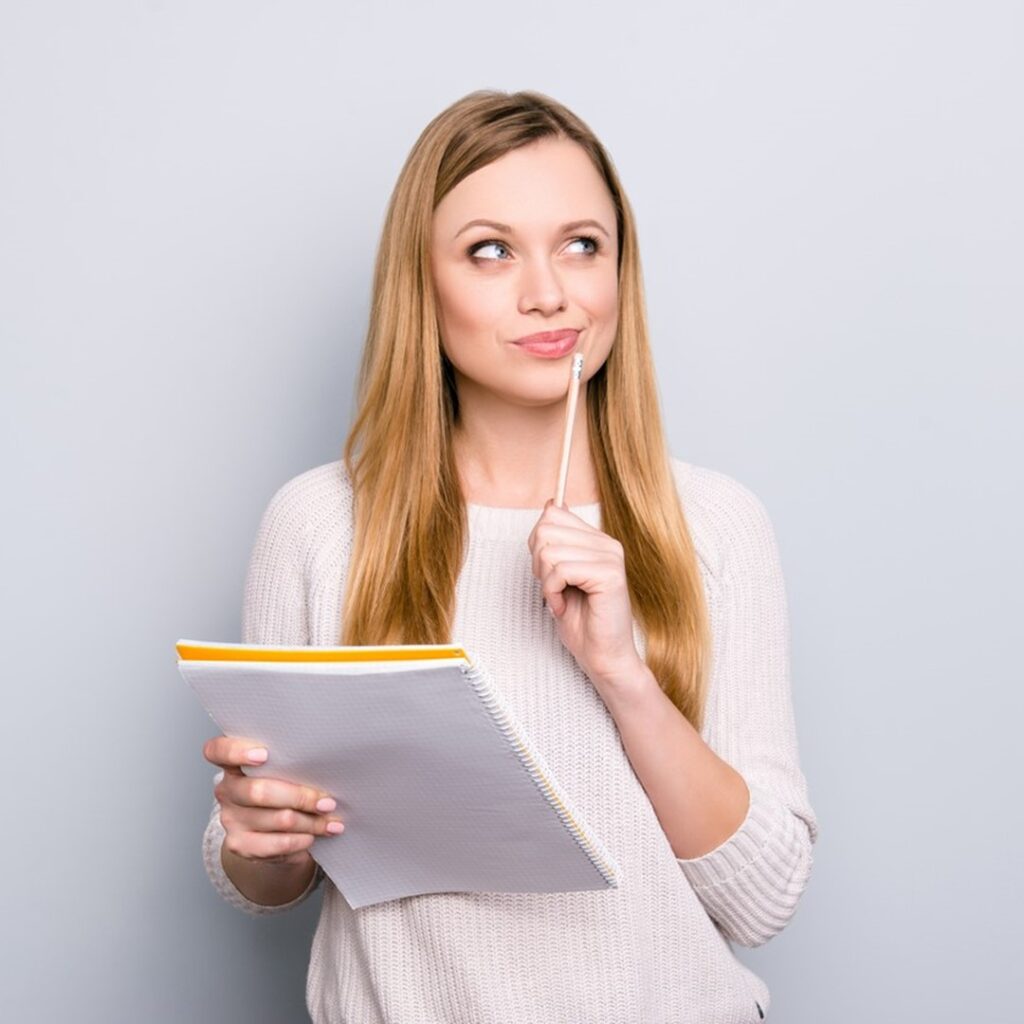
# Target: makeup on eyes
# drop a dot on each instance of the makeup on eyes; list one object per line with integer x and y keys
{"x": 470, "y": 252}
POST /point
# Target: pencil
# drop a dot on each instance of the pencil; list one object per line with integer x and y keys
{"x": 575, "y": 374}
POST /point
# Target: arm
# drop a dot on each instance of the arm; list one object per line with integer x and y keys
{"x": 700, "y": 800}
{"x": 751, "y": 884}
{"x": 255, "y": 888}
{"x": 732, "y": 801}
{"x": 273, "y": 612}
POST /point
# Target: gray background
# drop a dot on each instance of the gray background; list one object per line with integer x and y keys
{"x": 830, "y": 218}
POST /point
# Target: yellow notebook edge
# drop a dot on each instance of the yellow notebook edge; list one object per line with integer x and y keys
{"x": 208, "y": 650}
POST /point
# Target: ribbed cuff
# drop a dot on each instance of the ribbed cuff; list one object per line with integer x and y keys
{"x": 748, "y": 844}
{"x": 213, "y": 840}
{"x": 751, "y": 883}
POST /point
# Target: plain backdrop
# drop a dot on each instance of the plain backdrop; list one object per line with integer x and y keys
{"x": 830, "y": 219}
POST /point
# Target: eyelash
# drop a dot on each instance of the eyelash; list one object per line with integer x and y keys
{"x": 494, "y": 241}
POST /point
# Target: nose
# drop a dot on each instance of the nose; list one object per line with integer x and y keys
{"x": 540, "y": 288}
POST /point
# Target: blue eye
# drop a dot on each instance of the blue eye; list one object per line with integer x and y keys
{"x": 472, "y": 251}
{"x": 483, "y": 245}
{"x": 589, "y": 238}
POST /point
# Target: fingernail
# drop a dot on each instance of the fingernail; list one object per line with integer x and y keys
{"x": 334, "y": 827}
{"x": 326, "y": 803}
{"x": 258, "y": 755}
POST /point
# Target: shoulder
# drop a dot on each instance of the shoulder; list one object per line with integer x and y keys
{"x": 309, "y": 510}
{"x": 313, "y": 490}
{"x": 727, "y": 520}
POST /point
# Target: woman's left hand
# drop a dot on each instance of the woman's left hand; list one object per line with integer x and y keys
{"x": 582, "y": 572}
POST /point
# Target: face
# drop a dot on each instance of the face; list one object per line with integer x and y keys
{"x": 529, "y": 271}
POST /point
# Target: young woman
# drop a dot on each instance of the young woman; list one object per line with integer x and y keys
{"x": 639, "y": 635}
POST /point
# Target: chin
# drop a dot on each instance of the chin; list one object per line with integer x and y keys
{"x": 538, "y": 396}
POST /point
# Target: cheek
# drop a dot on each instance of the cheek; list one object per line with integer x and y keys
{"x": 465, "y": 309}
{"x": 601, "y": 300}
{"x": 598, "y": 290}
{"x": 610, "y": 298}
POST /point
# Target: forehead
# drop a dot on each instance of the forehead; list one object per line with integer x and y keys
{"x": 548, "y": 181}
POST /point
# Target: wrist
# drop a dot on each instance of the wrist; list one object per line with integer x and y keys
{"x": 626, "y": 683}
{"x": 268, "y": 883}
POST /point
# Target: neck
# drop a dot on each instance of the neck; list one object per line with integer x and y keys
{"x": 509, "y": 455}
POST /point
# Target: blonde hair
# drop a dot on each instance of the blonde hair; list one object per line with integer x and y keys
{"x": 410, "y": 514}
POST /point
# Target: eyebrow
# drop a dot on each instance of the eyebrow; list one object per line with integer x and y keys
{"x": 571, "y": 226}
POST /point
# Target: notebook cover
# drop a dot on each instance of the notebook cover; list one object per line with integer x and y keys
{"x": 439, "y": 788}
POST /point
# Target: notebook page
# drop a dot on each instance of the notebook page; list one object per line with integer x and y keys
{"x": 433, "y": 797}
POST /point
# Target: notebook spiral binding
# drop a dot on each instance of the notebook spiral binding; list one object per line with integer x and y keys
{"x": 534, "y": 764}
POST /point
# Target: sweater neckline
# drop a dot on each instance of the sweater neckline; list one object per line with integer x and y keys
{"x": 498, "y": 522}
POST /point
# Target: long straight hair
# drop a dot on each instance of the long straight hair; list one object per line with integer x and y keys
{"x": 410, "y": 526}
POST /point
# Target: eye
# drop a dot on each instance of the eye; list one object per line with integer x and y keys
{"x": 589, "y": 238}
{"x": 474, "y": 249}
{"x": 483, "y": 245}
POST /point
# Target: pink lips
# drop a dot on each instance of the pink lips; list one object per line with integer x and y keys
{"x": 549, "y": 344}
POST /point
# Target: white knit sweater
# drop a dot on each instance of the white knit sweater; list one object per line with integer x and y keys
{"x": 654, "y": 951}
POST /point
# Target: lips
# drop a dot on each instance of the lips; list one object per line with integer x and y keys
{"x": 551, "y": 344}
{"x": 547, "y": 336}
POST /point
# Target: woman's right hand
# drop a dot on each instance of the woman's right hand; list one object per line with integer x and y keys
{"x": 266, "y": 820}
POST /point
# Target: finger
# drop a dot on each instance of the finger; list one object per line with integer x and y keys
{"x": 560, "y": 533}
{"x": 234, "y": 751}
{"x": 551, "y": 586}
{"x": 265, "y": 792}
{"x": 557, "y": 514}
{"x": 581, "y": 548}
{"x": 554, "y": 516}
{"x": 259, "y": 819}
{"x": 590, "y": 577}
{"x": 551, "y": 534}
{"x": 267, "y": 845}
{"x": 549, "y": 555}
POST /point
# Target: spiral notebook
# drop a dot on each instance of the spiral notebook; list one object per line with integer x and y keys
{"x": 440, "y": 789}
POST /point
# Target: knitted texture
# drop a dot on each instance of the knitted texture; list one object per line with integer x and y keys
{"x": 656, "y": 950}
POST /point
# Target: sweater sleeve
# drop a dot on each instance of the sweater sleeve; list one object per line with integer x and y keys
{"x": 274, "y": 611}
{"x": 751, "y": 883}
